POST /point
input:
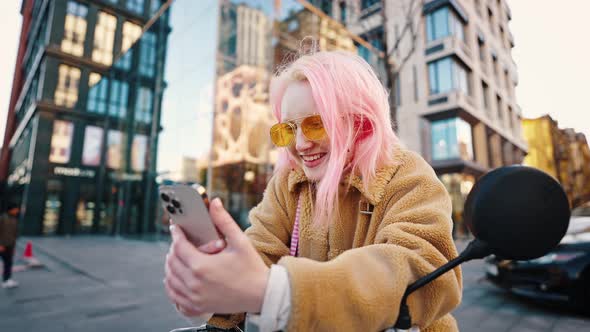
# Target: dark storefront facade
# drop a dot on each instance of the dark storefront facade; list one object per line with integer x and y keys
{"x": 87, "y": 116}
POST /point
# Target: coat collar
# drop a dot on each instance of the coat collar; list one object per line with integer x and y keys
{"x": 376, "y": 187}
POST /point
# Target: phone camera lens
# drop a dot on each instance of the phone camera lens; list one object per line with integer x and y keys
{"x": 165, "y": 197}
{"x": 180, "y": 211}
{"x": 171, "y": 209}
{"x": 176, "y": 203}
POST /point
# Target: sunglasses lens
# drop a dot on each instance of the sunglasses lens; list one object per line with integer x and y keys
{"x": 313, "y": 128}
{"x": 281, "y": 134}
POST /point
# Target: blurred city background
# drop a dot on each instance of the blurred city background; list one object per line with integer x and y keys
{"x": 105, "y": 100}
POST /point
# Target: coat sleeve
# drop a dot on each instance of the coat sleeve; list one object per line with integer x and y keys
{"x": 361, "y": 289}
{"x": 271, "y": 224}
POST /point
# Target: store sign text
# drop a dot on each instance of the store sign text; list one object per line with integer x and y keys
{"x": 126, "y": 176}
{"x": 74, "y": 171}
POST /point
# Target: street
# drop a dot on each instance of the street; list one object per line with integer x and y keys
{"x": 113, "y": 284}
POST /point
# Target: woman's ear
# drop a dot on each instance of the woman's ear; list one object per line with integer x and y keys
{"x": 363, "y": 127}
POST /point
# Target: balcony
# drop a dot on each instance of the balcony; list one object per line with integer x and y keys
{"x": 510, "y": 38}
{"x": 371, "y": 10}
{"x": 517, "y": 110}
{"x": 457, "y": 103}
{"x": 365, "y": 24}
{"x": 450, "y": 101}
{"x": 451, "y": 45}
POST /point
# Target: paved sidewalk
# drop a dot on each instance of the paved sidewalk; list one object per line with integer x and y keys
{"x": 111, "y": 284}
{"x": 91, "y": 284}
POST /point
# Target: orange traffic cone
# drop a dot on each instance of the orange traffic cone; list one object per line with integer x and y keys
{"x": 29, "y": 257}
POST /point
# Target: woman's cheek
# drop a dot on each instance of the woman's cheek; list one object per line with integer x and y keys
{"x": 294, "y": 155}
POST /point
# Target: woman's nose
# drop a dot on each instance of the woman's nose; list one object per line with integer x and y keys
{"x": 301, "y": 142}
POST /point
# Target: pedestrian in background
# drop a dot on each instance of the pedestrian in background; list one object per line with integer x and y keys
{"x": 8, "y": 234}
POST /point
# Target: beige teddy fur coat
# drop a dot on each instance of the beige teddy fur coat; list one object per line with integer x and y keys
{"x": 351, "y": 275}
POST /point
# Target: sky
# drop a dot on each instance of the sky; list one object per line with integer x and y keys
{"x": 10, "y": 23}
{"x": 551, "y": 54}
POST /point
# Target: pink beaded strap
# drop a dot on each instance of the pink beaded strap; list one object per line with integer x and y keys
{"x": 295, "y": 234}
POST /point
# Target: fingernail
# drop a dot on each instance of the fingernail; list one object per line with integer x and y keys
{"x": 172, "y": 228}
{"x": 217, "y": 202}
{"x": 219, "y": 244}
{"x": 164, "y": 280}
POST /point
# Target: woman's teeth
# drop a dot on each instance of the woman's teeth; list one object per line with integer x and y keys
{"x": 312, "y": 157}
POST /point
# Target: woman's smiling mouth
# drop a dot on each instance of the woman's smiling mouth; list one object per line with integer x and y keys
{"x": 313, "y": 160}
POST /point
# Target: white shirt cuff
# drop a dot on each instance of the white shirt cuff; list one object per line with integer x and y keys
{"x": 197, "y": 320}
{"x": 277, "y": 303}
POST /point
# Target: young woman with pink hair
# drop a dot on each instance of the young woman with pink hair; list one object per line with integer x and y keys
{"x": 349, "y": 219}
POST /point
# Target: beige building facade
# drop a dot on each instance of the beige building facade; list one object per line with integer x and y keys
{"x": 455, "y": 99}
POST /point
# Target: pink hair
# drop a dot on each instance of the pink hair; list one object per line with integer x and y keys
{"x": 354, "y": 108}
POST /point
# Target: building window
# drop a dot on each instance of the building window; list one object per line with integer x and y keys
{"x": 147, "y": 62}
{"x": 446, "y": 75}
{"x": 326, "y": 6}
{"x": 510, "y": 118}
{"x": 343, "y": 12}
{"x": 74, "y": 29}
{"x": 443, "y": 22}
{"x": 114, "y": 149}
{"x": 482, "y": 48}
{"x": 97, "y": 93}
{"x": 416, "y": 92}
{"x": 495, "y": 67}
{"x": 508, "y": 83}
{"x": 135, "y": 6}
{"x": 293, "y": 25}
{"x": 85, "y": 209}
{"x": 499, "y": 105}
{"x": 66, "y": 93}
{"x": 155, "y": 6}
{"x": 131, "y": 32}
{"x": 104, "y": 38}
{"x": 491, "y": 20}
{"x": 451, "y": 138}
{"x": 398, "y": 90}
{"x": 61, "y": 142}
{"x": 485, "y": 95}
{"x": 52, "y": 211}
{"x": 92, "y": 146}
{"x": 118, "y": 98}
{"x": 375, "y": 39}
{"x": 368, "y": 3}
{"x": 143, "y": 105}
{"x": 138, "y": 152}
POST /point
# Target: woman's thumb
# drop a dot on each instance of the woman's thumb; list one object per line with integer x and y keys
{"x": 223, "y": 220}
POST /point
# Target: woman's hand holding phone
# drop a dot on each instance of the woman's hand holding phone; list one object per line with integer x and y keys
{"x": 213, "y": 247}
{"x": 201, "y": 280}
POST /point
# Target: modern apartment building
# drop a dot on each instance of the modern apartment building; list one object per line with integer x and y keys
{"x": 455, "y": 78}
{"x": 83, "y": 123}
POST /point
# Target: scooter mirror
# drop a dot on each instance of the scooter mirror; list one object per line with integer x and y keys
{"x": 520, "y": 212}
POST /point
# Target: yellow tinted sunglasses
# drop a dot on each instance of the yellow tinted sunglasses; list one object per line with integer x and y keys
{"x": 283, "y": 134}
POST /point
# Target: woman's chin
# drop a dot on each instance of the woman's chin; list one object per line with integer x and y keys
{"x": 315, "y": 174}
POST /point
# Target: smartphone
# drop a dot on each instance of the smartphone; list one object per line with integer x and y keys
{"x": 188, "y": 207}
